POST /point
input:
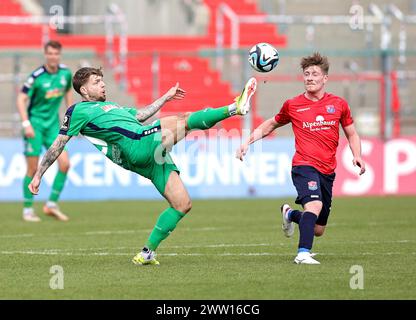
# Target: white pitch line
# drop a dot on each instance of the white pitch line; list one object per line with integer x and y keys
{"x": 107, "y": 232}
{"x": 214, "y": 246}
{"x": 224, "y": 254}
{"x": 55, "y": 253}
{"x": 23, "y": 235}
{"x": 204, "y": 229}
{"x": 219, "y": 245}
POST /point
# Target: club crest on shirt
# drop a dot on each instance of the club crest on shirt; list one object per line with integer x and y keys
{"x": 312, "y": 185}
{"x": 330, "y": 109}
{"x": 63, "y": 81}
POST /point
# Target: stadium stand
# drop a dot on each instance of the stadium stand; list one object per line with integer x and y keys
{"x": 204, "y": 84}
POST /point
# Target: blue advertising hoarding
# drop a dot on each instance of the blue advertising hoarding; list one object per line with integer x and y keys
{"x": 208, "y": 167}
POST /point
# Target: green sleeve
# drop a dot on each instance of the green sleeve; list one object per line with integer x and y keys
{"x": 29, "y": 86}
{"x": 74, "y": 121}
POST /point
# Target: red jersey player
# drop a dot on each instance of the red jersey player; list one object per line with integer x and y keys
{"x": 315, "y": 116}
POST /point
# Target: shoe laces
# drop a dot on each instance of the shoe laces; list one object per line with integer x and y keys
{"x": 149, "y": 255}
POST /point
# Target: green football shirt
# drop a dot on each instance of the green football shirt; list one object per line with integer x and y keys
{"x": 45, "y": 91}
{"x": 111, "y": 128}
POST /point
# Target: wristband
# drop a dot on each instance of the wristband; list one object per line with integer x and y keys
{"x": 26, "y": 124}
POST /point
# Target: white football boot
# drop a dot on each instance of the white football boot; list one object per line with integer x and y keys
{"x": 288, "y": 226}
{"x": 145, "y": 258}
{"x": 29, "y": 215}
{"x": 305, "y": 258}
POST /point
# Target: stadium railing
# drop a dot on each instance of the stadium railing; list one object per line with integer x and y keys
{"x": 389, "y": 112}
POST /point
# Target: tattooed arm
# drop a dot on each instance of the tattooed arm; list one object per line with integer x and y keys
{"x": 148, "y": 111}
{"x": 48, "y": 159}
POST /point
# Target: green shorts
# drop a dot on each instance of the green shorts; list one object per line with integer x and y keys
{"x": 149, "y": 158}
{"x": 43, "y": 137}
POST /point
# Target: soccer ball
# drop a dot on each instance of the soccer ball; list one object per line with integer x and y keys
{"x": 263, "y": 57}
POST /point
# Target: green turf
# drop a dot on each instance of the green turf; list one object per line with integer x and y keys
{"x": 224, "y": 249}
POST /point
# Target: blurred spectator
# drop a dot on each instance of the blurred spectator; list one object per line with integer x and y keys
{"x": 189, "y": 11}
{"x": 202, "y": 16}
{"x": 197, "y": 16}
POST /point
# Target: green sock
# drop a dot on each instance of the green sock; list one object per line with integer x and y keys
{"x": 57, "y": 186}
{"x": 27, "y": 195}
{"x": 205, "y": 119}
{"x": 164, "y": 226}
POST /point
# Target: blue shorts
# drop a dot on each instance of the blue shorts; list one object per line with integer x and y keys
{"x": 312, "y": 185}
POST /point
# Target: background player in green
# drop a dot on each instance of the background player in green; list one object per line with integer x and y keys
{"x": 38, "y": 105}
{"x": 144, "y": 149}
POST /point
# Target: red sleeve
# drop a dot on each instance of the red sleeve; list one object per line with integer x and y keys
{"x": 283, "y": 116}
{"x": 346, "y": 118}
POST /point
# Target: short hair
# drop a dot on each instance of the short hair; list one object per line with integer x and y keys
{"x": 315, "y": 60}
{"x": 53, "y": 44}
{"x": 82, "y": 75}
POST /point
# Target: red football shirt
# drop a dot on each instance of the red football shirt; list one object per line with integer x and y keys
{"x": 316, "y": 128}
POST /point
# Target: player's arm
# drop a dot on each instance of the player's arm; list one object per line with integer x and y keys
{"x": 68, "y": 98}
{"x": 355, "y": 146}
{"x": 263, "y": 130}
{"x": 21, "y": 103}
{"x": 174, "y": 93}
{"x": 48, "y": 159}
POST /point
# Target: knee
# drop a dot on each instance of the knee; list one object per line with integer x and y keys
{"x": 314, "y": 207}
{"x": 187, "y": 206}
{"x": 184, "y": 206}
{"x": 31, "y": 169}
{"x": 319, "y": 231}
{"x": 64, "y": 167}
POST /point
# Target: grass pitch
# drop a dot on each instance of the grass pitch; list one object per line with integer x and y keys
{"x": 224, "y": 249}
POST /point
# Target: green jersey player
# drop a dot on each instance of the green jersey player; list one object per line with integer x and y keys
{"x": 38, "y": 105}
{"x": 118, "y": 132}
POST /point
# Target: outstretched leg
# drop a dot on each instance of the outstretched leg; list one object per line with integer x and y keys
{"x": 175, "y": 128}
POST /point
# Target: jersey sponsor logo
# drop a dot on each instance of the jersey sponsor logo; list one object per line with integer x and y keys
{"x": 330, "y": 108}
{"x": 303, "y": 109}
{"x": 312, "y": 185}
{"x": 109, "y": 107}
{"x": 55, "y": 93}
{"x": 319, "y": 123}
{"x": 65, "y": 123}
